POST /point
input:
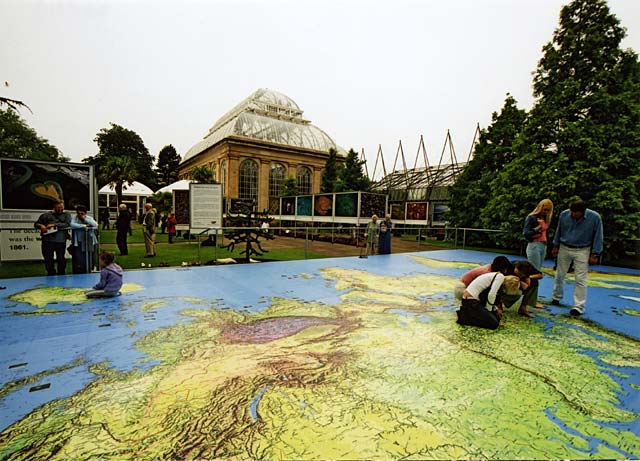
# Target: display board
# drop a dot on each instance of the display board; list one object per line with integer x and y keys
{"x": 303, "y": 206}
{"x": 31, "y": 185}
{"x": 372, "y": 204}
{"x": 323, "y": 205}
{"x": 181, "y": 206}
{"x": 28, "y": 189}
{"x": 288, "y": 206}
{"x": 205, "y": 211}
{"x": 417, "y": 211}
{"x": 18, "y": 243}
{"x": 347, "y": 205}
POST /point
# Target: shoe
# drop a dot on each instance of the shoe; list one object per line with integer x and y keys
{"x": 576, "y": 311}
{"x": 149, "y": 256}
{"x": 555, "y": 302}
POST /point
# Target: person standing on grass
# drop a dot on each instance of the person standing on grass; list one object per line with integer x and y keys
{"x": 149, "y": 230}
{"x": 123, "y": 226}
{"x": 53, "y": 226}
{"x": 83, "y": 240}
{"x": 105, "y": 219}
{"x": 171, "y": 226}
{"x": 578, "y": 240}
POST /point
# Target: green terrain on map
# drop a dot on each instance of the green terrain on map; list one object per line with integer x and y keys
{"x": 384, "y": 374}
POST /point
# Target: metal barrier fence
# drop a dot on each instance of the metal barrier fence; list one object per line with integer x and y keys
{"x": 310, "y": 242}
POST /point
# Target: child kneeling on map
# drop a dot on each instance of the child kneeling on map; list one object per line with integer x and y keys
{"x": 110, "y": 278}
{"x": 485, "y": 290}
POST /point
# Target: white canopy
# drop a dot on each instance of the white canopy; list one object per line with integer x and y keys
{"x": 183, "y": 184}
{"x": 136, "y": 188}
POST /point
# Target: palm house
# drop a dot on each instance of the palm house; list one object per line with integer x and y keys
{"x": 258, "y": 144}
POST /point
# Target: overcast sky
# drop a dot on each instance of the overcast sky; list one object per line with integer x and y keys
{"x": 368, "y": 73}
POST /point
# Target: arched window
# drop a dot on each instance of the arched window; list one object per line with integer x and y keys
{"x": 304, "y": 180}
{"x": 248, "y": 180}
{"x": 276, "y": 176}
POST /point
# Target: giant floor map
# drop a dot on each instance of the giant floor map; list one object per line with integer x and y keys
{"x": 326, "y": 359}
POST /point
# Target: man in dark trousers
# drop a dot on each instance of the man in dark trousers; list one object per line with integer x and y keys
{"x": 105, "y": 219}
{"x": 123, "y": 225}
{"x": 53, "y": 226}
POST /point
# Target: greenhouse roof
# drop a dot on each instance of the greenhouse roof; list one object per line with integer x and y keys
{"x": 432, "y": 176}
{"x": 267, "y": 115}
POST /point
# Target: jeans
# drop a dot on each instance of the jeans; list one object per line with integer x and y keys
{"x": 536, "y": 252}
{"x": 580, "y": 259}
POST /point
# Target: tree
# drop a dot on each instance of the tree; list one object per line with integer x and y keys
{"x": 117, "y": 171}
{"x": 122, "y": 158}
{"x": 492, "y": 153}
{"x": 582, "y": 137}
{"x": 330, "y": 173}
{"x": 352, "y": 176}
{"x": 203, "y": 174}
{"x": 13, "y": 104}
{"x": 167, "y": 166}
{"x": 18, "y": 140}
{"x": 289, "y": 187}
{"x": 162, "y": 201}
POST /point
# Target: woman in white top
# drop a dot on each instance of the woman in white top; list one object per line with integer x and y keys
{"x": 482, "y": 291}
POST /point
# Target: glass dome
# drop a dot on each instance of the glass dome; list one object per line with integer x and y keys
{"x": 268, "y": 116}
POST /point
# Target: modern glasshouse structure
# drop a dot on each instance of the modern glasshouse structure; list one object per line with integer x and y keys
{"x": 259, "y": 143}
{"x": 420, "y": 195}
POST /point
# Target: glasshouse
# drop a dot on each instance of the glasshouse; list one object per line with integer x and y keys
{"x": 259, "y": 143}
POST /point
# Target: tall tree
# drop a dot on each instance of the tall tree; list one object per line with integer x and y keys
{"x": 203, "y": 174}
{"x": 19, "y": 140}
{"x": 492, "y": 153}
{"x": 582, "y": 137}
{"x": 122, "y": 158}
{"x": 352, "y": 175}
{"x": 330, "y": 173}
{"x": 167, "y": 166}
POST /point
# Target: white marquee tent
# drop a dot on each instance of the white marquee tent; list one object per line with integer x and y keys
{"x": 183, "y": 184}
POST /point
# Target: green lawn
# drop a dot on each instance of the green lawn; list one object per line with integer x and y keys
{"x": 178, "y": 254}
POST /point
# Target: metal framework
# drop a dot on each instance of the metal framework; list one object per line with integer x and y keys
{"x": 421, "y": 183}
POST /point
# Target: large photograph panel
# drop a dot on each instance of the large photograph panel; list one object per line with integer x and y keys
{"x": 304, "y": 205}
{"x": 371, "y": 204}
{"x": 28, "y": 185}
{"x": 347, "y": 205}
